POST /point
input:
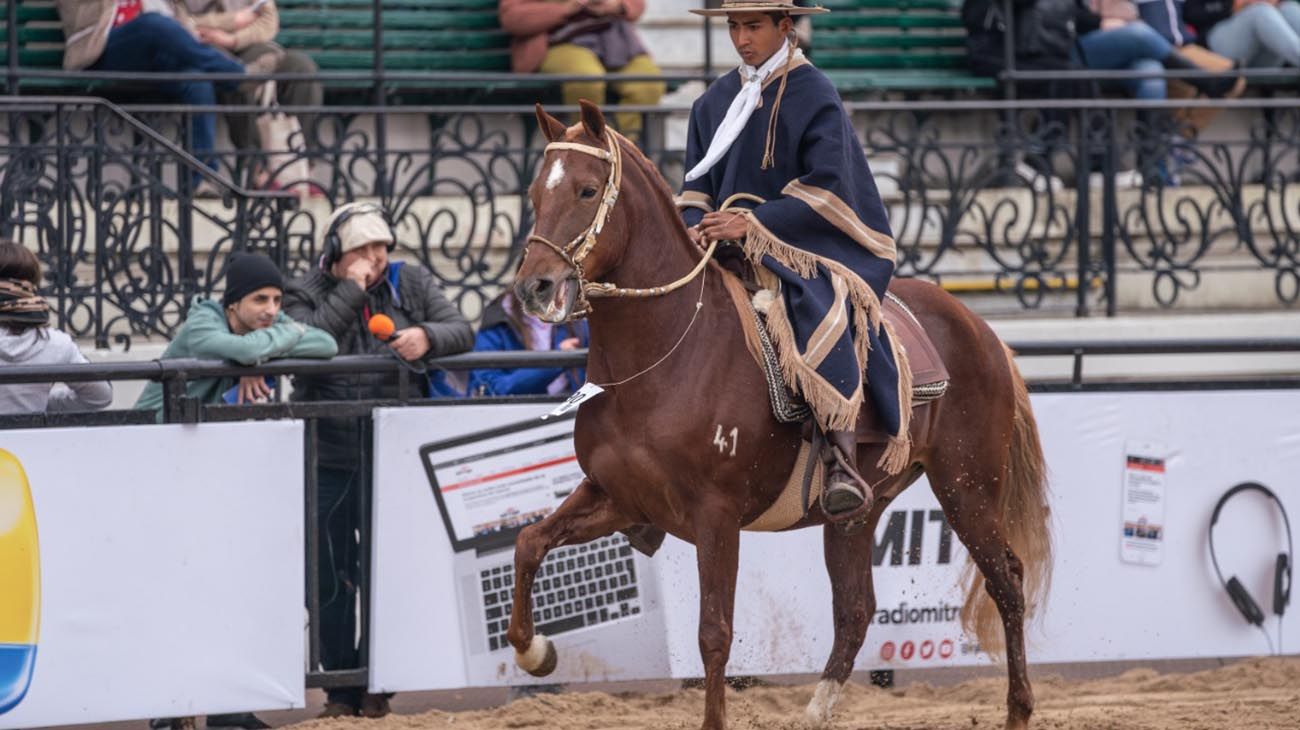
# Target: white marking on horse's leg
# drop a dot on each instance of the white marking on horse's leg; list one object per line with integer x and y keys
{"x": 536, "y": 654}
{"x": 823, "y": 702}
{"x": 557, "y": 174}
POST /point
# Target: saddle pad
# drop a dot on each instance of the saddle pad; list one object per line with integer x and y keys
{"x": 927, "y": 366}
{"x": 788, "y": 508}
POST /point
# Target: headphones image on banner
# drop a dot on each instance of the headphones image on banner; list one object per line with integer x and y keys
{"x": 332, "y": 244}
{"x": 1241, "y": 598}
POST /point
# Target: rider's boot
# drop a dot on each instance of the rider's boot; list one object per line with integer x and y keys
{"x": 846, "y": 495}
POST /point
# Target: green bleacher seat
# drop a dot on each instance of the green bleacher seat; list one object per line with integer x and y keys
{"x": 419, "y": 35}
{"x": 905, "y": 46}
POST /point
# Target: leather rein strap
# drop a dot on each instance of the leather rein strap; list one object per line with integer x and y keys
{"x": 576, "y": 251}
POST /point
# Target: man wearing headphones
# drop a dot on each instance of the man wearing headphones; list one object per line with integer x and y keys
{"x": 354, "y": 282}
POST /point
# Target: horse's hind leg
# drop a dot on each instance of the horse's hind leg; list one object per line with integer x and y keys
{"x": 848, "y": 562}
{"x": 585, "y": 515}
{"x": 969, "y": 492}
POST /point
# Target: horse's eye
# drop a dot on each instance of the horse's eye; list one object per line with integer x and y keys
{"x": 588, "y": 193}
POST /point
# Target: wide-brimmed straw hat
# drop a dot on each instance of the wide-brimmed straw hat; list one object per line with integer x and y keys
{"x": 758, "y": 6}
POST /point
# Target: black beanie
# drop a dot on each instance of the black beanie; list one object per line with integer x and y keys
{"x": 248, "y": 272}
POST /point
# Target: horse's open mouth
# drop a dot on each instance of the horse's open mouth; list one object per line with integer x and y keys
{"x": 561, "y": 303}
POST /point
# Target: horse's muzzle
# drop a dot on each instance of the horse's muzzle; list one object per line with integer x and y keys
{"x": 550, "y": 300}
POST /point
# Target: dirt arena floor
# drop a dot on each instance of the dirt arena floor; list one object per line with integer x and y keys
{"x": 1259, "y": 694}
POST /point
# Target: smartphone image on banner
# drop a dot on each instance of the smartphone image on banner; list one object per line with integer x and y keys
{"x": 1142, "y": 534}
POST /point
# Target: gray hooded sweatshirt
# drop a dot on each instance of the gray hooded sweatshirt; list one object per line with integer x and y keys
{"x": 54, "y": 348}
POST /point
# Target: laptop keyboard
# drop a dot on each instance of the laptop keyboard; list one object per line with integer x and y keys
{"x": 576, "y": 586}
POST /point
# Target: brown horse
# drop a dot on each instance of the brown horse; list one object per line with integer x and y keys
{"x": 648, "y": 449}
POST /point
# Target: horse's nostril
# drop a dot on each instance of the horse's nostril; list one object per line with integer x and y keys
{"x": 542, "y": 288}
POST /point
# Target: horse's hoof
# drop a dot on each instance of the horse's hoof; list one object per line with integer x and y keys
{"x": 540, "y": 659}
{"x": 820, "y": 708}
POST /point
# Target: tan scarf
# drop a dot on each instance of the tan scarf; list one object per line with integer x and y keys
{"x": 20, "y": 304}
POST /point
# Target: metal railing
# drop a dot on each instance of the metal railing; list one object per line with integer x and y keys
{"x": 989, "y": 195}
{"x": 127, "y": 244}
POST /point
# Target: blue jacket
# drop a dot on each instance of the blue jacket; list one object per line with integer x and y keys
{"x": 498, "y": 335}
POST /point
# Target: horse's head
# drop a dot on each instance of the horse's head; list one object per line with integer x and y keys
{"x": 573, "y": 201}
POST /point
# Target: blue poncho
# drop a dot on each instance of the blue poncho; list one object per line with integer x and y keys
{"x": 821, "y": 243}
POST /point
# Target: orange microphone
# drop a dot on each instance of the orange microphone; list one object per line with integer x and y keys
{"x": 381, "y": 326}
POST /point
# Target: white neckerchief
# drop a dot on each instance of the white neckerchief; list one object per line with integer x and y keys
{"x": 742, "y": 107}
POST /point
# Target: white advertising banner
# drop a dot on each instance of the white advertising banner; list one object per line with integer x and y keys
{"x": 1134, "y": 480}
{"x": 150, "y": 571}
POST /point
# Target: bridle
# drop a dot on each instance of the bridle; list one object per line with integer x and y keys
{"x": 576, "y": 250}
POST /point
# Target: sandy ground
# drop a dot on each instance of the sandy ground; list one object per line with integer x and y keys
{"x": 1259, "y": 694}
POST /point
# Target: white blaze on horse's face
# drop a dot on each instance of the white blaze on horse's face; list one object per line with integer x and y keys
{"x": 557, "y": 174}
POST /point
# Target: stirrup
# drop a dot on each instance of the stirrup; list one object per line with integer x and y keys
{"x": 845, "y": 501}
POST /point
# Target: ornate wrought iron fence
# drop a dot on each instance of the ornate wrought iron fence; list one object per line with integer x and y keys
{"x": 1000, "y": 193}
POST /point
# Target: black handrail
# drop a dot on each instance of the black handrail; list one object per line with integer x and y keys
{"x": 368, "y": 77}
{"x": 191, "y": 368}
{"x": 187, "y": 160}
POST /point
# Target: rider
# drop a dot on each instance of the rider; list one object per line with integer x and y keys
{"x": 775, "y": 129}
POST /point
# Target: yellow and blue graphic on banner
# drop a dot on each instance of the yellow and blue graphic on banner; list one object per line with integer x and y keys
{"x": 20, "y": 583}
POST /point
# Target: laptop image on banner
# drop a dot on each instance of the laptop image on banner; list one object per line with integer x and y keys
{"x": 601, "y": 596}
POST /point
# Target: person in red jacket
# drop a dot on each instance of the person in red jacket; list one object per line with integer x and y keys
{"x": 584, "y": 37}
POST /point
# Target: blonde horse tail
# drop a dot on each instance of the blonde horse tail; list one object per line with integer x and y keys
{"x": 1025, "y": 517}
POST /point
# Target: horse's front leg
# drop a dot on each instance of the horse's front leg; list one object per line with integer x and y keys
{"x": 717, "y": 550}
{"x": 585, "y": 515}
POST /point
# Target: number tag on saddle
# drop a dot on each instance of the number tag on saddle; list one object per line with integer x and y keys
{"x": 580, "y": 396}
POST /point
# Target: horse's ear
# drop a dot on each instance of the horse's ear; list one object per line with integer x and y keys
{"x": 552, "y": 128}
{"x": 592, "y": 119}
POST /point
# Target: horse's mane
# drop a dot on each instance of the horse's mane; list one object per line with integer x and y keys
{"x": 657, "y": 181}
{"x": 647, "y": 166}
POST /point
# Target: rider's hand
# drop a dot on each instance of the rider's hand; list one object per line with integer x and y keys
{"x": 571, "y": 343}
{"x": 724, "y": 226}
{"x": 697, "y": 238}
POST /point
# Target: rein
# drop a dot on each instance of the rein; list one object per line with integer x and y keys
{"x": 576, "y": 250}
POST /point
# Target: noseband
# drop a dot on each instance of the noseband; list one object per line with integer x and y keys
{"x": 576, "y": 251}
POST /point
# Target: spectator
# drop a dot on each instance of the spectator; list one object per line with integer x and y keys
{"x": 144, "y": 35}
{"x": 246, "y": 327}
{"x": 354, "y": 282}
{"x": 584, "y": 37}
{"x": 1256, "y": 33}
{"x": 247, "y": 29}
{"x": 506, "y": 327}
{"x": 26, "y": 338}
{"x": 1113, "y": 38}
{"x": 1045, "y": 38}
